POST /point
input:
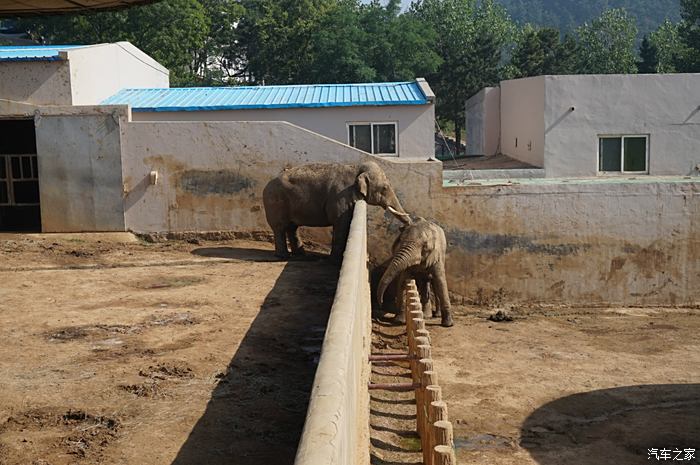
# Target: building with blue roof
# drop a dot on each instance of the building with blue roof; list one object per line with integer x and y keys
{"x": 387, "y": 119}
{"x": 83, "y": 130}
{"x": 75, "y": 74}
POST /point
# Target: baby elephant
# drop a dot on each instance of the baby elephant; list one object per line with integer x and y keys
{"x": 419, "y": 253}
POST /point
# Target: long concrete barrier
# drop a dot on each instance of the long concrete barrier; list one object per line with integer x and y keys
{"x": 336, "y": 431}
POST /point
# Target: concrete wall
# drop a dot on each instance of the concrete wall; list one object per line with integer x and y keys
{"x": 211, "y": 174}
{"x": 336, "y": 431}
{"x": 483, "y": 122}
{"x": 522, "y": 119}
{"x": 101, "y": 71}
{"x": 595, "y": 243}
{"x": 587, "y": 242}
{"x": 416, "y": 123}
{"x": 666, "y": 107}
{"x": 36, "y": 82}
{"x": 80, "y": 183}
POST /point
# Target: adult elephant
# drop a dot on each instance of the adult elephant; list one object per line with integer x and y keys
{"x": 419, "y": 253}
{"x": 324, "y": 194}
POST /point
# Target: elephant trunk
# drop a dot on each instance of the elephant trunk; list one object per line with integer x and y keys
{"x": 407, "y": 256}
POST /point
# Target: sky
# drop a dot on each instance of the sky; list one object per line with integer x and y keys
{"x": 404, "y": 3}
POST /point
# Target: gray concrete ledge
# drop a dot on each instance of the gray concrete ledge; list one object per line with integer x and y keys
{"x": 468, "y": 175}
{"x": 336, "y": 431}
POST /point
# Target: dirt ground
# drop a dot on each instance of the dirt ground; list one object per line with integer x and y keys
{"x": 554, "y": 386}
{"x": 571, "y": 386}
{"x": 170, "y": 353}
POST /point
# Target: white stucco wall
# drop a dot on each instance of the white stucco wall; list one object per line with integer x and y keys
{"x": 101, "y": 71}
{"x": 483, "y": 122}
{"x": 36, "y": 82}
{"x": 666, "y": 107}
{"x": 83, "y": 76}
{"x": 522, "y": 119}
{"x": 416, "y": 123}
{"x": 80, "y": 182}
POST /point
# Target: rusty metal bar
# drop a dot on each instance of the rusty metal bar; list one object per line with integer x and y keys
{"x": 390, "y": 357}
{"x": 393, "y": 386}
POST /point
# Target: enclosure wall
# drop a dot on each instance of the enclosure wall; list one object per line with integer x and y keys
{"x": 336, "y": 431}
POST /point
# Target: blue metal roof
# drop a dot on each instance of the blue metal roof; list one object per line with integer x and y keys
{"x": 34, "y": 52}
{"x": 294, "y": 96}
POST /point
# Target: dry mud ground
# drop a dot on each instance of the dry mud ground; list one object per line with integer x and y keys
{"x": 557, "y": 386}
{"x": 170, "y": 353}
{"x": 571, "y": 386}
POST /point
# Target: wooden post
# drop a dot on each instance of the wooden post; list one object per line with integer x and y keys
{"x": 424, "y": 366}
{"x": 422, "y": 332}
{"x": 442, "y": 431}
{"x": 434, "y": 393}
{"x": 425, "y": 343}
{"x": 437, "y": 411}
{"x": 444, "y": 455}
{"x": 429, "y": 390}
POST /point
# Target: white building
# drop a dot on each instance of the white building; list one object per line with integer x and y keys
{"x": 591, "y": 125}
{"x": 69, "y": 159}
{"x": 387, "y": 119}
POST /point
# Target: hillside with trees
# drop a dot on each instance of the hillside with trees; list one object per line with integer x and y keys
{"x": 567, "y": 15}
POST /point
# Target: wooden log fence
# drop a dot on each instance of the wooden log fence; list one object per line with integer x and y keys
{"x": 432, "y": 423}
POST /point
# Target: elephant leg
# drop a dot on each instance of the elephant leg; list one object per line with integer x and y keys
{"x": 433, "y": 301}
{"x": 280, "y": 243}
{"x": 341, "y": 229}
{"x": 294, "y": 240}
{"x": 424, "y": 291}
{"x": 399, "y": 309}
{"x": 439, "y": 283}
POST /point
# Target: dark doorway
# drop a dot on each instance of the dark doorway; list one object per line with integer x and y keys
{"x": 19, "y": 177}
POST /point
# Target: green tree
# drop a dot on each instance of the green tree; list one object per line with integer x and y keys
{"x": 171, "y": 31}
{"x": 335, "y": 47}
{"x": 566, "y": 56}
{"x": 220, "y": 60}
{"x": 606, "y": 45}
{"x": 470, "y": 38}
{"x": 688, "y": 56}
{"x": 276, "y": 36}
{"x": 648, "y": 57}
{"x": 538, "y": 52}
{"x": 396, "y": 45}
{"x": 667, "y": 43}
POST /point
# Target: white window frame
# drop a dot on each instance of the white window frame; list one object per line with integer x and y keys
{"x": 371, "y": 135}
{"x": 622, "y": 154}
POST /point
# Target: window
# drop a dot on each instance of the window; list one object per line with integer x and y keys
{"x": 376, "y": 138}
{"x": 19, "y": 180}
{"x": 623, "y": 154}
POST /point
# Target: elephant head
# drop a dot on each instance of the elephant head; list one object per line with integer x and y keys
{"x": 374, "y": 187}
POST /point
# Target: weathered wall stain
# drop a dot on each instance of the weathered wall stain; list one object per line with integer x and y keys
{"x": 220, "y": 182}
{"x": 498, "y": 244}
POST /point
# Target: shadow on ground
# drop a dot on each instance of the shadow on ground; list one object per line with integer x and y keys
{"x": 615, "y": 426}
{"x": 257, "y": 410}
{"x": 252, "y": 255}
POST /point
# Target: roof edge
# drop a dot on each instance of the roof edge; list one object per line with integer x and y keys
{"x": 425, "y": 88}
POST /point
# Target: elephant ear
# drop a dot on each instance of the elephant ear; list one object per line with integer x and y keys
{"x": 362, "y": 184}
